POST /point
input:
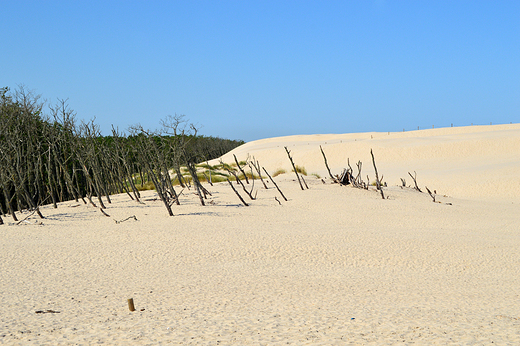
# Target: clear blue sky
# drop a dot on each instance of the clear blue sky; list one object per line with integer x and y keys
{"x": 256, "y": 69}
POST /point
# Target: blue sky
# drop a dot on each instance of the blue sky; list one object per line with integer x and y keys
{"x": 256, "y": 69}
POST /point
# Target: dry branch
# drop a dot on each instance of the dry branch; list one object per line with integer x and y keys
{"x": 431, "y": 195}
{"x": 240, "y": 169}
{"x": 415, "y": 180}
{"x": 19, "y": 222}
{"x": 327, "y": 165}
{"x": 378, "y": 182}
{"x": 240, "y": 197}
{"x": 281, "y": 193}
{"x": 128, "y": 218}
{"x": 257, "y": 168}
{"x": 294, "y": 167}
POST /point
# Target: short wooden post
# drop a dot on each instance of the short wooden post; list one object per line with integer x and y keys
{"x": 131, "y": 306}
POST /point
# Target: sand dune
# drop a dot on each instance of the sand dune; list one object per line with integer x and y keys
{"x": 331, "y": 266}
{"x": 475, "y": 161}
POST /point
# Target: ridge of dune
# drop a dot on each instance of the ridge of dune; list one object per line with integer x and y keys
{"x": 467, "y": 162}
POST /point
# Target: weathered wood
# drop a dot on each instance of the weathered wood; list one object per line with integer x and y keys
{"x": 378, "y": 182}
{"x": 240, "y": 169}
{"x": 294, "y": 167}
{"x": 281, "y": 193}
{"x": 431, "y": 194}
{"x": 236, "y": 192}
{"x": 131, "y": 306}
{"x": 304, "y": 182}
{"x": 196, "y": 182}
{"x": 415, "y": 180}
{"x": 257, "y": 168}
{"x": 327, "y": 165}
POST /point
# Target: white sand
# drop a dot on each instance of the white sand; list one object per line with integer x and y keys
{"x": 332, "y": 266}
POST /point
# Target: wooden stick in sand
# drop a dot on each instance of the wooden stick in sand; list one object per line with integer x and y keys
{"x": 241, "y": 199}
{"x": 281, "y": 193}
{"x": 131, "y": 306}
{"x": 294, "y": 167}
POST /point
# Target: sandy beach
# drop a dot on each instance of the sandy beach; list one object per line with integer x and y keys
{"x": 333, "y": 265}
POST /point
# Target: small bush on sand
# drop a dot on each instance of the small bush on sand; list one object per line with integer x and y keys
{"x": 249, "y": 176}
{"x": 228, "y": 167}
{"x": 146, "y": 186}
{"x": 279, "y": 171}
{"x": 300, "y": 170}
{"x": 316, "y": 175}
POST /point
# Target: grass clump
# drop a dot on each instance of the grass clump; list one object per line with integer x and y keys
{"x": 146, "y": 186}
{"x": 279, "y": 171}
{"x": 227, "y": 166}
{"x": 300, "y": 170}
{"x": 316, "y": 175}
{"x": 207, "y": 166}
{"x": 249, "y": 176}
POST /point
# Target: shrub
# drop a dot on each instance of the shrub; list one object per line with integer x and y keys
{"x": 279, "y": 171}
{"x": 146, "y": 186}
{"x": 300, "y": 170}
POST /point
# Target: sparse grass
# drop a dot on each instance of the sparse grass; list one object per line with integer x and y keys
{"x": 206, "y": 166}
{"x": 316, "y": 175}
{"x": 146, "y": 186}
{"x": 249, "y": 176}
{"x": 300, "y": 170}
{"x": 374, "y": 183}
{"x": 227, "y": 166}
{"x": 279, "y": 171}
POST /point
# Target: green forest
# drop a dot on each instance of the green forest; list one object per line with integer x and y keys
{"x": 47, "y": 156}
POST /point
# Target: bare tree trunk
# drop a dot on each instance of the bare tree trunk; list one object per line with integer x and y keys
{"x": 240, "y": 169}
{"x": 240, "y": 197}
{"x": 8, "y": 202}
{"x": 257, "y": 168}
{"x": 281, "y": 193}
{"x": 294, "y": 167}
{"x": 431, "y": 194}
{"x": 327, "y": 165}
{"x": 378, "y": 182}
{"x": 196, "y": 182}
{"x": 415, "y": 180}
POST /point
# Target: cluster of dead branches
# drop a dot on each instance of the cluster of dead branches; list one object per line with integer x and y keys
{"x": 347, "y": 175}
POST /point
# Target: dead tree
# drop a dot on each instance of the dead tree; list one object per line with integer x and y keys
{"x": 328, "y": 169}
{"x": 344, "y": 178}
{"x": 240, "y": 169}
{"x": 294, "y": 167}
{"x": 305, "y": 183}
{"x": 198, "y": 186}
{"x": 256, "y": 165}
{"x": 236, "y": 192}
{"x": 281, "y": 193}
{"x": 378, "y": 182}
{"x": 431, "y": 194}
{"x": 415, "y": 180}
{"x": 150, "y": 158}
{"x": 249, "y": 193}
